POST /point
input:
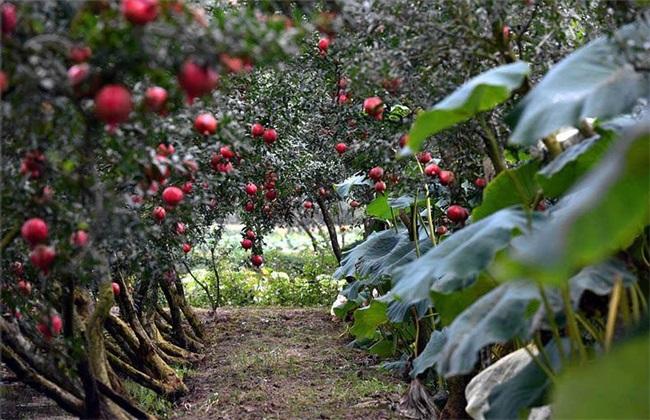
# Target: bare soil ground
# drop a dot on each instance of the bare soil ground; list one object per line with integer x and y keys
{"x": 285, "y": 363}
{"x": 259, "y": 363}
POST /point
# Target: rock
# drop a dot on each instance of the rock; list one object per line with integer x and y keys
{"x": 480, "y": 387}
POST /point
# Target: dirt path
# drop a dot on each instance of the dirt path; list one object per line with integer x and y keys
{"x": 285, "y": 363}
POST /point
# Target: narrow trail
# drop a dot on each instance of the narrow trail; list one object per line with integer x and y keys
{"x": 285, "y": 363}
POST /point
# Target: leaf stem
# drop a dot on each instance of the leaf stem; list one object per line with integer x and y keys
{"x": 613, "y": 310}
{"x": 572, "y": 324}
{"x": 551, "y": 320}
{"x": 492, "y": 146}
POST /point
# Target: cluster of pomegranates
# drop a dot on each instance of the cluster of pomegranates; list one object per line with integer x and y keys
{"x": 268, "y": 134}
{"x": 376, "y": 174}
{"x": 247, "y": 243}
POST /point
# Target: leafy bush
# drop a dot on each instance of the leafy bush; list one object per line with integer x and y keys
{"x": 302, "y": 279}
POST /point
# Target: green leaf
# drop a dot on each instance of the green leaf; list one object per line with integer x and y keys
{"x": 383, "y": 348}
{"x": 479, "y": 94}
{"x": 602, "y": 214}
{"x": 397, "y": 112}
{"x": 380, "y": 254}
{"x": 510, "y": 187}
{"x": 368, "y": 319}
{"x": 499, "y": 316}
{"x": 427, "y": 358}
{"x": 456, "y": 262}
{"x": 379, "y": 208}
{"x": 599, "y": 279}
{"x": 615, "y": 386}
{"x": 596, "y": 81}
{"x": 343, "y": 189}
{"x": 451, "y": 305}
{"x": 559, "y": 175}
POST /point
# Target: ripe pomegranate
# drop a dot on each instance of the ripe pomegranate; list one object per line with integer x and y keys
{"x": 343, "y": 98}
{"x": 354, "y": 204}
{"x": 80, "y": 53}
{"x": 456, "y": 213}
{"x": 250, "y": 234}
{"x": 34, "y": 231}
{"x": 270, "y": 136}
{"x": 78, "y": 73}
{"x": 246, "y": 243}
{"x": 432, "y": 170}
{"x": 33, "y": 164}
{"x": 44, "y": 330}
{"x": 341, "y": 148}
{"x": 24, "y": 287}
{"x": 251, "y": 189}
{"x": 155, "y": 98}
{"x": 376, "y": 173}
{"x": 257, "y": 260}
{"x": 116, "y": 288}
{"x": 380, "y": 186}
{"x": 271, "y": 195}
{"x": 226, "y": 152}
{"x": 159, "y": 213}
{"x": 187, "y": 247}
{"x": 480, "y": 182}
{"x": 4, "y": 81}
{"x": 187, "y": 187}
{"x": 196, "y": 80}
{"x": 324, "y": 44}
{"x": 79, "y": 238}
{"x": 180, "y": 228}
{"x": 42, "y": 257}
{"x": 403, "y": 140}
{"x": 343, "y": 83}
{"x": 424, "y": 157}
{"x": 172, "y": 195}
{"x": 257, "y": 130}
{"x": 374, "y": 107}
{"x": 225, "y": 167}
{"x": 308, "y": 205}
{"x": 57, "y": 324}
{"x": 113, "y": 104}
{"x": 446, "y": 177}
{"x": 441, "y": 230}
{"x": 165, "y": 150}
{"x": 206, "y": 124}
{"x": 249, "y": 206}
{"x": 9, "y": 18}
{"x": 140, "y": 12}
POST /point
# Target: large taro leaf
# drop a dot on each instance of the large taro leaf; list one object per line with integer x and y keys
{"x": 368, "y": 319}
{"x": 373, "y": 249}
{"x": 496, "y": 317}
{"x": 449, "y": 306}
{"x": 479, "y": 94}
{"x": 399, "y": 311}
{"x": 456, "y": 262}
{"x": 343, "y": 189}
{"x": 595, "y": 81}
{"x": 615, "y": 386}
{"x": 527, "y": 388}
{"x": 602, "y": 214}
{"x": 510, "y": 187}
{"x": 379, "y": 254}
{"x": 427, "y": 358}
{"x": 599, "y": 279}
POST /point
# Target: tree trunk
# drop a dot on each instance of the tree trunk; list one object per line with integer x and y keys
{"x": 314, "y": 242}
{"x": 191, "y": 317}
{"x": 455, "y": 406}
{"x": 177, "y": 321}
{"x": 331, "y": 228}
